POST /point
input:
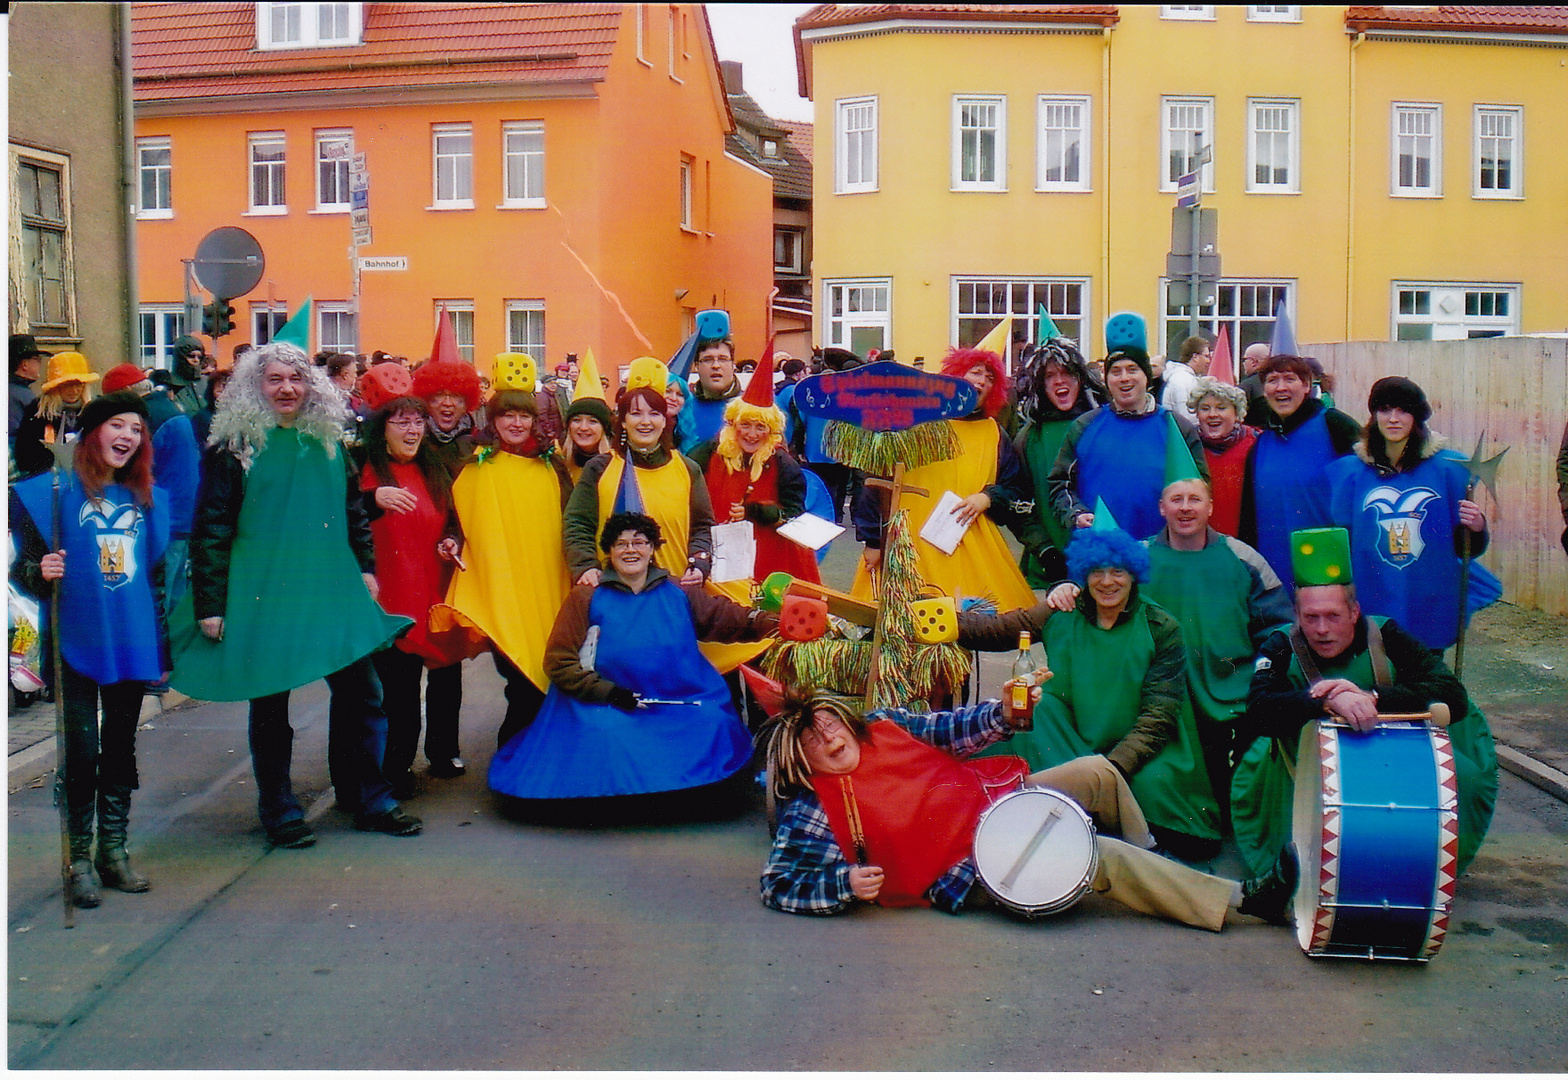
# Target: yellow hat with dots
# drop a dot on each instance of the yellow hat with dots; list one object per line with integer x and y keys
{"x": 1320, "y": 557}
{"x": 647, "y": 371}
{"x": 514, "y": 371}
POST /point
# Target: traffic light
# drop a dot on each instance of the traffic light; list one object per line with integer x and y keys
{"x": 217, "y": 318}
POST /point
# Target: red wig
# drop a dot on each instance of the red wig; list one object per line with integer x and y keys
{"x": 92, "y": 468}
{"x": 958, "y": 362}
{"x": 655, "y": 401}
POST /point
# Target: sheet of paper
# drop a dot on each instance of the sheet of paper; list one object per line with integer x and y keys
{"x": 734, "y": 551}
{"x": 942, "y": 530}
{"x": 810, "y": 531}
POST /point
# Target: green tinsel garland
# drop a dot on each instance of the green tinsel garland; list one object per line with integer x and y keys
{"x": 877, "y": 452}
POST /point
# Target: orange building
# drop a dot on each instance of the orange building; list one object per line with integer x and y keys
{"x": 555, "y": 175}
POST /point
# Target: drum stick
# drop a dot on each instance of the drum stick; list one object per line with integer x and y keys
{"x": 1030, "y": 848}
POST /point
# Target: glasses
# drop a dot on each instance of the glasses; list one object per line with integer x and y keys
{"x": 406, "y": 422}
{"x": 632, "y": 545}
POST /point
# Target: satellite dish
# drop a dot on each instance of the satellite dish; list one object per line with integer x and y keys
{"x": 229, "y": 262}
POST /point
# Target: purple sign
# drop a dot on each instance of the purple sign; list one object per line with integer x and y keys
{"x": 885, "y": 397}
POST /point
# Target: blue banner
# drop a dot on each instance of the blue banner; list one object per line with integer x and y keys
{"x": 885, "y": 397}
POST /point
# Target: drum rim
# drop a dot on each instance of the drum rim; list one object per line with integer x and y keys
{"x": 1067, "y": 899}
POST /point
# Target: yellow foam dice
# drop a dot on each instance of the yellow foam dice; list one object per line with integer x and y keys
{"x": 936, "y": 620}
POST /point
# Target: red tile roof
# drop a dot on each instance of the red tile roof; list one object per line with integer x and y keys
{"x": 800, "y": 136}
{"x": 200, "y": 50}
{"x": 1494, "y": 20}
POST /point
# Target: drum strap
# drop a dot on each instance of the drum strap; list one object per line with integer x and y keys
{"x": 1298, "y": 645}
{"x": 1382, "y": 670}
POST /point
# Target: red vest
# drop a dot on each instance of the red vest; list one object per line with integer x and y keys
{"x": 1227, "y": 472}
{"x": 918, "y": 808}
{"x": 726, "y": 488}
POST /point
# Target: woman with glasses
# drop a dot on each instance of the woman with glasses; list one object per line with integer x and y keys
{"x": 633, "y": 708}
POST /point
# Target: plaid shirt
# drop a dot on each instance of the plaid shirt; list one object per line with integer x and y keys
{"x": 806, "y": 872}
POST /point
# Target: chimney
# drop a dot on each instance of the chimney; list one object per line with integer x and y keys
{"x": 733, "y": 83}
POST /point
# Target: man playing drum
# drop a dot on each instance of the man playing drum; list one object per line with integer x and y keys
{"x": 1337, "y": 662}
{"x": 895, "y": 793}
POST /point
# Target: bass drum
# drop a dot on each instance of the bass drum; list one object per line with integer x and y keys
{"x": 1035, "y": 851}
{"x": 1377, "y": 833}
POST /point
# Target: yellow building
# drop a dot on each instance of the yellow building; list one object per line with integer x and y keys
{"x": 1387, "y": 173}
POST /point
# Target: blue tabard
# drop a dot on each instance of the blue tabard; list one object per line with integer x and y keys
{"x": 110, "y": 624}
{"x": 575, "y": 749}
{"x": 1121, "y": 459}
{"x": 1290, "y": 489}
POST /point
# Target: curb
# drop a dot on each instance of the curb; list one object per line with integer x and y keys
{"x": 1548, "y": 779}
{"x": 38, "y": 759}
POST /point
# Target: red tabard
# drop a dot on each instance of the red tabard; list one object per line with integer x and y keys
{"x": 411, "y": 575}
{"x": 918, "y": 808}
{"x": 725, "y": 488}
{"x": 1227, "y": 472}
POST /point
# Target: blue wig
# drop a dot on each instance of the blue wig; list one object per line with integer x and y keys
{"x": 1092, "y": 549}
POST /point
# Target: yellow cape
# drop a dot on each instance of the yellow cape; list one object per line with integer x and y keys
{"x": 516, "y": 580}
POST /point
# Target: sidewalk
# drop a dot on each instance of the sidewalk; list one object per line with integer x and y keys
{"x": 1516, "y": 669}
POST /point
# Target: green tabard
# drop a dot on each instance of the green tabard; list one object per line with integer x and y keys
{"x": 1039, "y": 449}
{"x": 297, "y": 607}
{"x": 1207, "y": 591}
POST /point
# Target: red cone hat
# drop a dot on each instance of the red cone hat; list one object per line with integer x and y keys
{"x": 759, "y": 391}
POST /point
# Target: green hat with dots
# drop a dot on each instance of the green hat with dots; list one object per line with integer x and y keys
{"x": 1320, "y": 557}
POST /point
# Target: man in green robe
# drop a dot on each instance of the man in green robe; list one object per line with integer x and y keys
{"x": 1054, "y": 389}
{"x": 1336, "y": 660}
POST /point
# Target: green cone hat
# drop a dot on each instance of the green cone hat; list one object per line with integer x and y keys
{"x": 1103, "y": 521}
{"x": 1179, "y": 465}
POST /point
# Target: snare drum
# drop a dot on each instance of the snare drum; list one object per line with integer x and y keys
{"x": 1377, "y": 833}
{"x": 1035, "y": 851}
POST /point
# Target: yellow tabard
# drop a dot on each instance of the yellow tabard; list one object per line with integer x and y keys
{"x": 516, "y": 581}
{"x": 981, "y": 565}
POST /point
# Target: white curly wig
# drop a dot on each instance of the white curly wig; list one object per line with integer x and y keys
{"x": 245, "y": 415}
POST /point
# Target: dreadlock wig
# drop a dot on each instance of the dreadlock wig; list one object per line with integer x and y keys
{"x": 1097, "y": 549}
{"x": 740, "y": 409}
{"x": 958, "y": 363}
{"x": 780, "y": 736}
{"x": 1036, "y": 363}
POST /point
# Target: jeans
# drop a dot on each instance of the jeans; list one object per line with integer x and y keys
{"x": 356, "y": 743}
{"x": 400, "y": 672}
{"x": 98, "y": 754}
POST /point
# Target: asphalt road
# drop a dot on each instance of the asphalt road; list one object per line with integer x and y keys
{"x": 489, "y": 944}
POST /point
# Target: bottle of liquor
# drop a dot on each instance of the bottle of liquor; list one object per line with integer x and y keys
{"x": 1023, "y": 674}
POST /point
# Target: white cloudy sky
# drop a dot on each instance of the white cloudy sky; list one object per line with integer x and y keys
{"x": 759, "y": 36}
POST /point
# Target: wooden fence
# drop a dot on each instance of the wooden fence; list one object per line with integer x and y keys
{"x": 1515, "y": 391}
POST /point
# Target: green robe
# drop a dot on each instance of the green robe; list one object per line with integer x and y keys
{"x": 1263, "y": 788}
{"x": 1208, "y": 591}
{"x": 1038, "y": 448}
{"x": 297, "y": 607}
{"x": 1094, "y": 701}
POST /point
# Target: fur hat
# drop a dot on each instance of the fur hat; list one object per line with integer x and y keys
{"x": 959, "y": 362}
{"x": 1398, "y": 392}
{"x": 98, "y": 411}
{"x": 447, "y": 377}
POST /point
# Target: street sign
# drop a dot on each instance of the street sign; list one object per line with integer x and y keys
{"x": 1181, "y": 229}
{"x": 383, "y": 262}
{"x": 359, "y": 198}
{"x": 359, "y": 217}
{"x": 229, "y": 262}
{"x": 362, "y": 237}
{"x": 1179, "y": 265}
{"x": 1189, "y": 192}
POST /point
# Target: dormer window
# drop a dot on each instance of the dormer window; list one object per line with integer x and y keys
{"x": 308, "y": 26}
{"x": 770, "y": 148}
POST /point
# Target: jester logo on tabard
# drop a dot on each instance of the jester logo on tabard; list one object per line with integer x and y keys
{"x": 1399, "y": 518}
{"x": 114, "y": 526}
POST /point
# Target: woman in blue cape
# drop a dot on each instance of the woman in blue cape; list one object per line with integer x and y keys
{"x": 114, "y": 526}
{"x": 1403, "y": 498}
{"x": 633, "y": 707}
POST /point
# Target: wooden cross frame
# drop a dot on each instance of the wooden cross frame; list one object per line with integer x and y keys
{"x": 897, "y": 488}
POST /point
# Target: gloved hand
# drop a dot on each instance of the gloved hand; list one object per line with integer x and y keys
{"x": 624, "y": 699}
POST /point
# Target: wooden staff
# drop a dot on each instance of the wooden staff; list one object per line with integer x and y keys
{"x": 1482, "y": 472}
{"x": 59, "y": 705}
{"x": 896, "y": 488}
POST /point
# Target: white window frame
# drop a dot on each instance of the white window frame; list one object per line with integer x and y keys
{"x": 162, "y": 176}
{"x": 309, "y": 25}
{"x": 795, "y": 250}
{"x": 962, "y": 104}
{"x": 1167, "y": 144}
{"x": 452, "y": 163}
{"x": 1434, "y": 190}
{"x": 462, "y": 313}
{"x": 1291, "y": 13}
{"x": 999, "y": 295}
{"x": 1188, "y": 12}
{"x": 865, "y": 146}
{"x": 339, "y": 314}
{"x": 166, "y": 322}
{"x": 839, "y": 329}
{"x": 1291, "y": 142}
{"x": 1232, "y": 307}
{"x": 688, "y": 202}
{"x": 1448, "y": 310}
{"x": 534, "y": 344}
{"x": 1043, "y": 135}
{"x": 26, "y": 284}
{"x": 276, "y": 171}
{"x": 266, "y": 319}
{"x": 329, "y": 141}
{"x": 674, "y": 29}
{"x": 531, "y": 197}
{"x": 642, "y": 34}
{"x": 1515, "y": 188}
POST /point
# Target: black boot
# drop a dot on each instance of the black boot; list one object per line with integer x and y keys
{"x": 114, "y": 867}
{"x": 79, "y": 887}
{"x": 1269, "y": 897}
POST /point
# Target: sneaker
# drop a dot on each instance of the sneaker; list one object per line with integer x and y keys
{"x": 393, "y": 822}
{"x": 1269, "y": 897}
{"x": 292, "y": 834}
